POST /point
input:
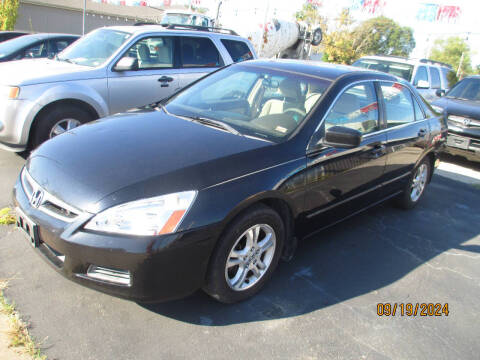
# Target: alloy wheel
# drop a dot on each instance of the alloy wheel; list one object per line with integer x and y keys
{"x": 250, "y": 257}
{"x": 418, "y": 183}
{"x": 63, "y": 125}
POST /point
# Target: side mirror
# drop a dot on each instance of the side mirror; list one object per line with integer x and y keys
{"x": 127, "y": 64}
{"x": 440, "y": 92}
{"x": 342, "y": 137}
{"x": 423, "y": 84}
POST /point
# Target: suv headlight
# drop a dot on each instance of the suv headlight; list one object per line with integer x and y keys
{"x": 9, "y": 92}
{"x": 147, "y": 217}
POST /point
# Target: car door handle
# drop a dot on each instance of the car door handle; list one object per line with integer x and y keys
{"x": 422, "y": 132}
{"x": 165, "y": 79}
{"x": 378, "y": 151}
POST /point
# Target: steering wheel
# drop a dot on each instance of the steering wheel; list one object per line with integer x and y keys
{"x": 298, "y": 111}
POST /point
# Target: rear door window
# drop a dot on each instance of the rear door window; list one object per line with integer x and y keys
{"x": 238, "y": 50}
{"x": 435, "y": 75}
{"x": 199, "y": 52}
{"x": 398, "y": 104}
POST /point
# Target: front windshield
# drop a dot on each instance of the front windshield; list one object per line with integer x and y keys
{"x": 467, "y": 89}
{"x": 398, "y": 69}
{"x": 253, "y": 100}
{"x": 183, "y": 19}
{"x": 10, "y": 46}
{"x": 94, "y": 48}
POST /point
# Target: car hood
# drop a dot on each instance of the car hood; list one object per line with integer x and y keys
{"x": 138, "y": 155}
{"x": 38, "y": 71}
{"x": 459, "y": 107}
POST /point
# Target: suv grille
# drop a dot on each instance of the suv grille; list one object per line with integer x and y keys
{"x": 46, "y": 202}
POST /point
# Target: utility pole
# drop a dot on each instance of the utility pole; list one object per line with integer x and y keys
{"x": 84, "y": 13}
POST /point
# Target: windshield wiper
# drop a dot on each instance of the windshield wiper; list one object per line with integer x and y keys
{"x": 66, "y": 60}
{"x": 214, "y": 123}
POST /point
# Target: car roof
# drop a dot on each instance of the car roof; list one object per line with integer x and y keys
{"x": 404, "y": 60}
{"x": 43, "y": 36}
{"x": 324, "y": 70}
{"x": 145, "y": 29}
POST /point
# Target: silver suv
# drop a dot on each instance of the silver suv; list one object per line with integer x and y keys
{"x": 110, "y": 70}
{"x": 428, "y": 76}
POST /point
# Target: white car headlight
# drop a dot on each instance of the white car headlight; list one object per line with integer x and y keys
{"x": 437, "y": 108}
{"x": 147, "y": 217}
{"x": 9, "y": 92}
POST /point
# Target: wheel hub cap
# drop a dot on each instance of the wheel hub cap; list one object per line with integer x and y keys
{"x": 64, "y": 125}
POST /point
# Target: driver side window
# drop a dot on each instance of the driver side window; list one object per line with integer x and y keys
{"x": 153, "y": 52}
{"x": 356, "y": 108}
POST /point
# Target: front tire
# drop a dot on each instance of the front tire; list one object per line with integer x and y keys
{"x": 416, "y": 185}
{"x": 246, "y": 255}
{"x": 56, "y": 121}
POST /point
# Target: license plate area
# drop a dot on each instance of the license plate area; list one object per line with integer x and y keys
{"x": 458, "y": 142}
{"x": 27, "y": 227}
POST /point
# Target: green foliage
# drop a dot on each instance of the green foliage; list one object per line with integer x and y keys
{"x": 338, "y": 44}
{"x": 379, "y": 35}
{"x": 6, "y": 217}
{"x": 309, "y": 14}
{"x": 382, "y": 36}
{"x": 450, "y": 51}
{"x": 8, "y": 14}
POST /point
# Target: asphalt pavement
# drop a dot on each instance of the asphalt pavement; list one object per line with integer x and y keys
{"x": 320, "y": 305}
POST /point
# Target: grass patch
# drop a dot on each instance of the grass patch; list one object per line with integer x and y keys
{"x": 19, "y": 336}
{"x": 6, "y": 216}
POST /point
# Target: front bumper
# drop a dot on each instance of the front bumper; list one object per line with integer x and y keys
{"x": 468, "y": 147}
{"x": 15, "y": 121}
{"x": 161, "y": 268}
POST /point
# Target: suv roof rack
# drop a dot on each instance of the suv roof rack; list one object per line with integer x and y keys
{"x": 145, "y": 23}
{"x": 200, "y": 28}
{"x": 428, "y": 61}
{"x": 393, "y": 56}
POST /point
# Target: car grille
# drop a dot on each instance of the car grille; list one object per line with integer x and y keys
{"x": 46, "y": 202}
{"x": 464, "y": 122}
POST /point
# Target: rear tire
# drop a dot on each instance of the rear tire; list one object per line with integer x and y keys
{"x": 415, "y": 188}
{"x": 57, "y": 120}
{"x": 239, "y": 268}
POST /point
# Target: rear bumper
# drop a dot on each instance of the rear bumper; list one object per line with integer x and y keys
{"x": 160, "y": 268}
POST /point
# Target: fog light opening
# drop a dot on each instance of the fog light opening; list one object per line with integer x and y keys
{"x": 114, "y": 276}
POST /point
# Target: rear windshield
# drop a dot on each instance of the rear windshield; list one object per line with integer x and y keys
{"x": 398, "y": 69}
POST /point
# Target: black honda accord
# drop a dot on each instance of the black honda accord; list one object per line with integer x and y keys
{"x": 211, "y": 187}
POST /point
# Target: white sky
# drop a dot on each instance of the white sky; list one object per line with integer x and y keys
{"x": 402, "y": 11}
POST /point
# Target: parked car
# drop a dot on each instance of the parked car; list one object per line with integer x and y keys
{"x": 34, "y": 46}
{"x": 428, "y": 76}
{"x": 209, "y": 188}
{"x": 110, "y": 70}
{"x": 8, "y": 35}
{"x": 461, "y": 106}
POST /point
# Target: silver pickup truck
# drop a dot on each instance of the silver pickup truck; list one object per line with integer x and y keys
{"x": 110, "y": 70}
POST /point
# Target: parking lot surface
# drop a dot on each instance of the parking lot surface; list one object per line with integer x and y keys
{"x": 322, "y": 304}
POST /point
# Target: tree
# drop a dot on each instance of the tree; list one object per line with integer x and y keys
{"x": 8, "y": 14}
{"x": 382, "y": 36}
{"x": 338, "y": 44}
{"x": 450, "y": 51}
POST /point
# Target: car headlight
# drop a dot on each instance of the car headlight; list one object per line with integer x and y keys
{"x": 147, "y": 217}
{"x": 9, "y": 92}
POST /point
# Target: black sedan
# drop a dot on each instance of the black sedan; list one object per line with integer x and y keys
{"x": 8, "y": 35}
{"x": 35, "y": 46}
{"x": 210, "y": 188}
{"x": 462, "y": 107}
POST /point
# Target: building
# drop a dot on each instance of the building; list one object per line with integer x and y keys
{"x": 66, "y": 16}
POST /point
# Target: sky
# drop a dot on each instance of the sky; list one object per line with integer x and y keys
{"x": 402, "y": 11}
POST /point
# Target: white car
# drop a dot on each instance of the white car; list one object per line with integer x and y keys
{"x": 428, "y": 76}
{"x": 110, "y": 70}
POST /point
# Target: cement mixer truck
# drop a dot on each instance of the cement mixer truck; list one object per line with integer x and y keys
{"x": 272, "y": 38}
